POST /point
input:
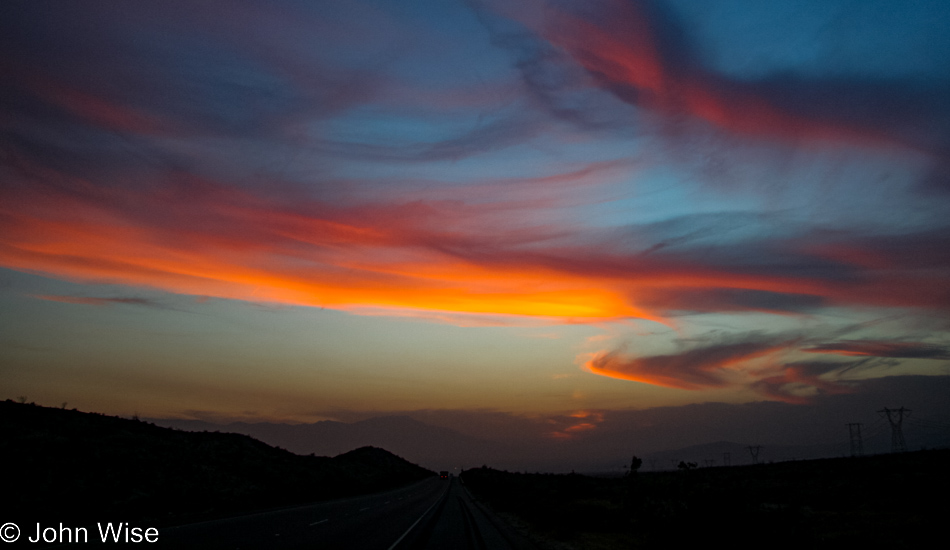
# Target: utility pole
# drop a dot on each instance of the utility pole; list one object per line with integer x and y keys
{"x": 857, "y": 445}
{"x": 727, "y": 459}
{"x": 896, "y": 418}
{"x": 754, "y": 451}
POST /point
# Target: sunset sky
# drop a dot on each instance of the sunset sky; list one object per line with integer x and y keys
{"x": 292, "y": 211}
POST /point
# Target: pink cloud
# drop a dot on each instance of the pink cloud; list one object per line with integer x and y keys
{"x": 700, "y": 368}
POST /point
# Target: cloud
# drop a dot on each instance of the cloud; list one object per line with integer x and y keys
{"x": 882, "y": 348}
{"x": 440, "y": 257}
{"x": 250, "y": 76}
{"x": 486, "y": 137}
{"x": 800, "y": 382}
{"x": 135, "y": 169}
{"x": 767, "y": 364}
{"x": 196, "y": 236}
{"x": 709, "y": 366}
{"x": 729, "y": 299}
{"x": 578, "y": 422}
{"x": 639, "y": 52}
{"x": 96, "y": 301}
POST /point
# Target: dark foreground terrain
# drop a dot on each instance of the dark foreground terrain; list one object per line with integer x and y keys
{"x": 97, "y": 480}
{"x": 893, "y": 501}
{"x": 73, "y": 467}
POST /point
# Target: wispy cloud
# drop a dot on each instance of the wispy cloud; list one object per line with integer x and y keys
{"x": 98, "y": 190}
{"x": 708, "y": 366}
{"x": 198, "y": 236}
{"x": 882, "y": 348}
{"x": 768, "y": 364}
{"x": 571, "y": 425}
{"x": 638, "y": 51}
{"x": 518, "y": 163}
{"x": 97, "y": 301}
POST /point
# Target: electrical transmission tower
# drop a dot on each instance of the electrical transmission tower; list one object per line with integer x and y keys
{"x": 726, "y": 459}
{"x": 857, "y": 445}
{"x": 754, "y": 451}
{"x": 896, "y": 418}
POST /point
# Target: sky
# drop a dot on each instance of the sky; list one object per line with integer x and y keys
{"x": 297, "y": 211}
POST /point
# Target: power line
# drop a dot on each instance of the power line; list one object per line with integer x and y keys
{"x": 877, "y": 429}
{"x": 754, "y": 451}
{"x": 857, "y": 445}
{"x": 896, "y": 419}
{"x": 933, "y": 432}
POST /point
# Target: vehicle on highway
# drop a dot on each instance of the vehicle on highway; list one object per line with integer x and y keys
{"x": 444, "y": 474}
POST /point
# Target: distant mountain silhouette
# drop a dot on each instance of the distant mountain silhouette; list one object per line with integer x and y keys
{"x": 71, "y": 465}
{"x": 785, "y": 431}
{"x": 440, "y": 448}
{"x": 431, "y": 446}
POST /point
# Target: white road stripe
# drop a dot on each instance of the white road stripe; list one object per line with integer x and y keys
{"x": 418, "y": 520}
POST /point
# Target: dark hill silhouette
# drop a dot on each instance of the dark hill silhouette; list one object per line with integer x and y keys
{"x": 432, "y": 446}
{"x": 76, "y": 466}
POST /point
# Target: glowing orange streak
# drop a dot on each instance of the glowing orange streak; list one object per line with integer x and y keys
{"x": 347, "y": 277}
{"x": 608, "y": 364}
{"x": 233, "y": 244}
{"x": 666, "y": 381}
{"x": 580, "y": 427}
{"x": 92, "y": 251}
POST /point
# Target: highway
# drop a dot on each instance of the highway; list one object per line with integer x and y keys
{"x": 430, "y": 515}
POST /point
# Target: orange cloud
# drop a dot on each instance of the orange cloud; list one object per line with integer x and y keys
{"x": 431, "y": 258}
{"x": 731, "y": 363}
{"x": 575, "y": 423}
{"x": 197, "y": 237}
{"x": 695, "y": 369}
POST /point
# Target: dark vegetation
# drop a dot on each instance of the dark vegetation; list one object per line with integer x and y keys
{"x": 68, "y": 466}
{"x": 897, "y": 500}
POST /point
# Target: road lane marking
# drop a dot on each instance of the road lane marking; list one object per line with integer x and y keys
{"x": 365, "y": 509}
{"x": 319, "y": 522}
{"x": 438, "y": 500}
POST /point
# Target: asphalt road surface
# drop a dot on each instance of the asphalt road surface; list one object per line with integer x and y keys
{"x": 429, "y": 515}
